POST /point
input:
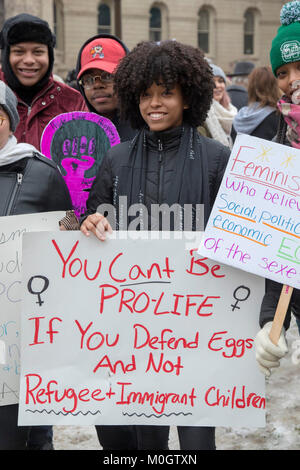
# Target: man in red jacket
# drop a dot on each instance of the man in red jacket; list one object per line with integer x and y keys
{"x": 27, "y": 59}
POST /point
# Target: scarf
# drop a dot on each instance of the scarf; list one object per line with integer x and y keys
{"x": 219, "y": 122}
{"x": 12, "y": 151}
{"x": 191, "y": 166}
{"x": 291, "y": 115}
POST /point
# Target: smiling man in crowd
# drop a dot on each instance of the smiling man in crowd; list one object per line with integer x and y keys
{"x": 27, "y": 58}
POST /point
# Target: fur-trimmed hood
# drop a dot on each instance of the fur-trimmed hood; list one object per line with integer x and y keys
{"x": 25, "y": 27}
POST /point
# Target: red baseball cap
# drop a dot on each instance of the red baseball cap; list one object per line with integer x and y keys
{"x": 101, "y": 53}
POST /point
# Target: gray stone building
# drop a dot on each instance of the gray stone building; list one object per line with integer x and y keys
{"x": 227, "y": 30}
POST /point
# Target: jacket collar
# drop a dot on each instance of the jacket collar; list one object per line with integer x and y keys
{"x": 41, "y": 92}
{"x": 168, "y": 139}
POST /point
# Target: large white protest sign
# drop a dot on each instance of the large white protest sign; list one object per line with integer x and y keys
{"x": 255, "y": 221}
{"x": 136, "y": 331}
{"x": 12, "y": 229}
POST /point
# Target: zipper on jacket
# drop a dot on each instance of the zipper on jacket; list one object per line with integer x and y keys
{"x": 14, "y": 193}
{"x": 160, "y": 171}
{"x": 29, "y": 108}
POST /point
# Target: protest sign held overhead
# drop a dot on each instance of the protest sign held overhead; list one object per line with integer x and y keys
{"x": 136, "y": 331}
{"x": 255, "y": 221}
{"x": 77, "y": 143}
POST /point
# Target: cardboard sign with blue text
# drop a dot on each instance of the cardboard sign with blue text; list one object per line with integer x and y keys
{"x": 255, "y": 221}
{"x": 12, "y": 229}
{"x": 136, "y": 331}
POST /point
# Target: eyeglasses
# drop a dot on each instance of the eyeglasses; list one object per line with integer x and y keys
{"x": 88, "y": 81}
{"x": 2, "y": 119}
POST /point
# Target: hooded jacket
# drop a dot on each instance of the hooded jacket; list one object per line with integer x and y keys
{"x": 50, "y": 97}
{"x": 124, "y": 129}
{"x": 257, "y": 121}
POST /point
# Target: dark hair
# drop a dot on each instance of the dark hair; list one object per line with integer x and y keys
{"x": 262, "y": 87}
{"x": 170, "y": 63}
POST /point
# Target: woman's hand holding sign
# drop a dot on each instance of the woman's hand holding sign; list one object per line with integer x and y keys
{"x": 97, "y": 224}
{"x": 268, "y": 354}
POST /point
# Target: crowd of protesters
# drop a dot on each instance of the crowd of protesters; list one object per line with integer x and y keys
{"x": 178, "y": 116}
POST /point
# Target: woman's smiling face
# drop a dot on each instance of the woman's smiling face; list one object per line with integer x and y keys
{"x": 219, "y": 88}
{"x": 161, "y": 108}
{"x": 287, "y": 75}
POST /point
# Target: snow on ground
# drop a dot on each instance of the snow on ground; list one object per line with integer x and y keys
{"x": 282, "y": 431}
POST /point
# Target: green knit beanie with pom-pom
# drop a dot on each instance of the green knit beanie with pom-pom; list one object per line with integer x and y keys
{"x": 286, "y": 45}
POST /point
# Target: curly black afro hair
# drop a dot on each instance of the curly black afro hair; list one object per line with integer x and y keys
{"x": 170, "y": 63}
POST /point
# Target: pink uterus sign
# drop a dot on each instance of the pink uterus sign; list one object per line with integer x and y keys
{"x": 77, "y": 143}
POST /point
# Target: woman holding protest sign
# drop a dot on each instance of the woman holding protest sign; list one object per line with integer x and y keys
{"x": 165, "y": 91}
{"x": 285, "y": 62}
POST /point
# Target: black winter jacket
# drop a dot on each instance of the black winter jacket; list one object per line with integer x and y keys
{"x": 270, "y": 301}
{"x": 238, "y": 95}
{"x": 32, "y": 185}
{"x": 160, "y": 170}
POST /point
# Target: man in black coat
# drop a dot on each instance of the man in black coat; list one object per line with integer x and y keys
{"x": 238, "y": 90}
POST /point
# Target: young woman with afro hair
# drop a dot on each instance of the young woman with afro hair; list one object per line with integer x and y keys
{"x": 165, "y": 90}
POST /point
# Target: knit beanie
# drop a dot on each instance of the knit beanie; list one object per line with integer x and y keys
{"x": 286, "y": 45}
{"x": 9, "y": 103}
{"x": 218, "y": 72}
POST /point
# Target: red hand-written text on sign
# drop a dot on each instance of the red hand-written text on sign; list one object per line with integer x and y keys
{"x": 236, "y": 347}
{"x": 50, "y": 394}
{"x": 160, "y": 400}
{"x": 51, "y": 332}
{"x": 165, "y": 365}
{"x": 136, "y": 272}
{"x": 155, "y": 364}
{"x": 105, "y": 362}
{"x": 198, "y": 267}
{"x": 143, "y": 338}
{"x": 129, "y": 300}
{"x": 76, "y": 266}
{"x": 233, "y": 399}
{"x": 96, "y": 339}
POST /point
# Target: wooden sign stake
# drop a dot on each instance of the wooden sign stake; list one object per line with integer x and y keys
{"x": 280, "y": 313}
